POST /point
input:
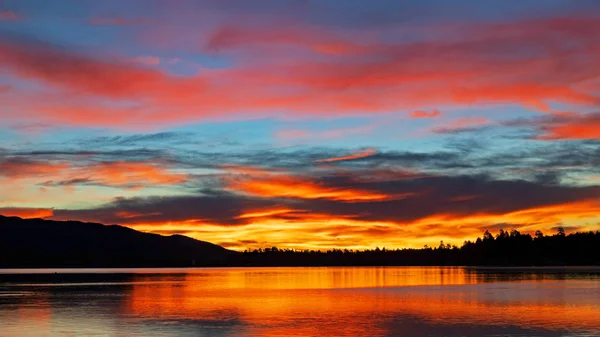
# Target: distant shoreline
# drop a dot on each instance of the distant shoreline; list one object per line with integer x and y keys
{"x": 150, "y": 270}
{"x": 45, "y": 244}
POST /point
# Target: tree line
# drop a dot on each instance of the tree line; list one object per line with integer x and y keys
{"x": 506, "y": 248}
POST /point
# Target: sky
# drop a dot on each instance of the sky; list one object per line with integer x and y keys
{"x": 303, "y": 124}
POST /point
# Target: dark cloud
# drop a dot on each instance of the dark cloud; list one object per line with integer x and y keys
{"x": 460, "y": 195}
{"x": 70, "y": 154}
{"x": 444, "y": 195}
{"x": 468, "y": 129}
{"x": 68, "y": 182}
{"x": 211, "y": 207}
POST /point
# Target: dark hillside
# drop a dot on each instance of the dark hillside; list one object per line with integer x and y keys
{"x": 44, "y": 243}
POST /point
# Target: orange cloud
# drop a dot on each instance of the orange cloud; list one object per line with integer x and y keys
{"x": 574, "y": 127}
{"x": 425, "y": 114}
{"x": 362, "y": 154}
{"x": 264, "y": 213}
{"x": 132, "y": 215}
{"x": 293, "y": 224}
{"x": 295, "y": 188}
{"x": 116, "y": 173}
{"x": 18, "y": 168}
{"x": 132, "y": 173}
{"x": 26, "y": 213}
{"x": 266, "y": 184}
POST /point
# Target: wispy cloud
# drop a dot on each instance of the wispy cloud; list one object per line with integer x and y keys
{"x": 358, "y": 155}
{"x": 462, "y": 125}
{"x": 425, "y": 114}
{"x": 115, "y": 173}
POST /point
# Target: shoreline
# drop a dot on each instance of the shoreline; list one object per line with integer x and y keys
{"x": 150, "y": 270}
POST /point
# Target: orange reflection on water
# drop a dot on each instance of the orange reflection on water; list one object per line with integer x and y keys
{"x": 360, "y": 301}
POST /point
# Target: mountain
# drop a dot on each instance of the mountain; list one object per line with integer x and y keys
{"x": 39, "y": 243}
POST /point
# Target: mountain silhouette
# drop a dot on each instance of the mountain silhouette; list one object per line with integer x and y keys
{"x": 45, "y": 243}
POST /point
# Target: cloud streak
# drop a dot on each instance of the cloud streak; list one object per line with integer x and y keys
{"x": 114, "y": 174}
{"x": 358, "y": 155}
{"x": 425, "y": 114}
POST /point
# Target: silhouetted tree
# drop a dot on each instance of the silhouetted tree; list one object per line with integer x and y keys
{"x": 539, "y": 234}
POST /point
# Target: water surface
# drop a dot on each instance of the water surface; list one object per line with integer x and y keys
{"x": 375, "y": 301}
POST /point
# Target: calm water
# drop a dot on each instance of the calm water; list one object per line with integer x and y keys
{"x": 301, "y": 302}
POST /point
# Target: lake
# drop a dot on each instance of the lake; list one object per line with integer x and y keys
{"x": 355, "y": 301}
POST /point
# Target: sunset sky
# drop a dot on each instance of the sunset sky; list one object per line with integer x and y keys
{"x": 303, "y": 124}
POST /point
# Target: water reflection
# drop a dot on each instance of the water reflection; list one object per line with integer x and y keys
{"x": 303, "y": 302}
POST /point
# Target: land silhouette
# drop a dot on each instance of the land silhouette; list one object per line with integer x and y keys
{"x": 37, "y": 243}
{"x": 40, "y": 243}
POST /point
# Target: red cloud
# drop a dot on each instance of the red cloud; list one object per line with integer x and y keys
{"x": 354, "y": 78}
{"x": 425, "y": 114}
{"x": 80, "y": 73}
{"x": 574, "y": 127}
